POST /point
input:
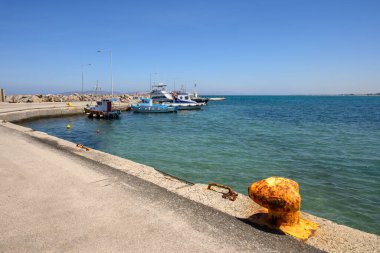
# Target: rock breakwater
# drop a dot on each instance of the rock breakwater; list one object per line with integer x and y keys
{"x": 75, "y": 97}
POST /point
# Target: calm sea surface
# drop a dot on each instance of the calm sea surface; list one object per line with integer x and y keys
{"x": 329, "y": 145}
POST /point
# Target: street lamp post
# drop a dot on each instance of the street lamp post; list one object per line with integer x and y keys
{"x": 110, "y": 54}
{"x": 84, "y": 65}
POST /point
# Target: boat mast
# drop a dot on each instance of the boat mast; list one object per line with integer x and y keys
{"x": 97, "y": 88}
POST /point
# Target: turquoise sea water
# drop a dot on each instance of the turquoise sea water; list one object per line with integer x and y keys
{"x": 330, "y": 145}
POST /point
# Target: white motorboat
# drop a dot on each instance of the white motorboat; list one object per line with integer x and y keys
{"x": 160, "y": 94}
{"x": 181, "y": 99}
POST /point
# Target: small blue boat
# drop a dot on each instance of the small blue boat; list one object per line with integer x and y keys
{"x": 147, "y": 106}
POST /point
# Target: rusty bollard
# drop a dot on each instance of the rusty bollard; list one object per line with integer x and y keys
{"x": 280, "y": 196}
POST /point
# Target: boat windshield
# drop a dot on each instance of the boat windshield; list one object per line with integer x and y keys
{"x": 159, "y": 87}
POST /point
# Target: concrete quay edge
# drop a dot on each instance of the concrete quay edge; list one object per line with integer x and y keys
{"x": 19, "y": 112}
{"x": 330, "y": 237}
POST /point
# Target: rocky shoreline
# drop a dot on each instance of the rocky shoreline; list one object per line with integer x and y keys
{"x": 39, "y": 98}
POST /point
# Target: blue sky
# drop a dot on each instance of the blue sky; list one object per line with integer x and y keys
{"x": 226, "y": 47}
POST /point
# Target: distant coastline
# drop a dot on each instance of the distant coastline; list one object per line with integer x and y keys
{"x": 368, "y": 94}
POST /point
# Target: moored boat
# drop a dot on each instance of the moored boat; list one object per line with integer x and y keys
{"x": 103, "y": 109}
{"x": 182, "y": 100}
{"x": 147, "y": 106}
{"x": 194, "y": 96}
{"x": 216, "y": 99}
{"x": 160, "y": 94}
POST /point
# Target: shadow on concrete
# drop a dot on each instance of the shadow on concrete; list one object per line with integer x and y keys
{"x": 256, "y": 222}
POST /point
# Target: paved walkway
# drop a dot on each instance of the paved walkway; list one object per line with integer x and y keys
{"x": 54, "y": 201}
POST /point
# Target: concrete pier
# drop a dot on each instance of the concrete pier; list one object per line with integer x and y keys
{"x": 55, "y": 196}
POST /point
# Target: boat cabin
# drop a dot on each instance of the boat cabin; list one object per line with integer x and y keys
{"x": 148, "y": 101}
{"x": 160, "y": 94}
{"x": 184, "y": 97}
{"x": 105, "y": 105}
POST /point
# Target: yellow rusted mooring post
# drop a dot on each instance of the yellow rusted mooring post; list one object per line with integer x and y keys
{"x": 280, "y": 196}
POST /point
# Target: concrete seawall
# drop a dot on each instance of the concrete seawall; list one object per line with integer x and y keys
{"x": 18, "y": 112}
{"x": 34, "y": 114}
{"x": 330, "y": 237}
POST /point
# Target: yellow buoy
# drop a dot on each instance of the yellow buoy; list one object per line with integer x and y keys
{"x": 68, "y": 126}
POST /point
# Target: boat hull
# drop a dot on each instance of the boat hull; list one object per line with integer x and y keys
{"x": 200, "y": 100}
{"x": 216, "y": 99}
{"x": 186, "y": 106}
{"x": 115, "y": 114}
{"x": 152, "y": 109}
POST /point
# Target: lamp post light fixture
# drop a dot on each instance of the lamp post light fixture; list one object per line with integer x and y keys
{"x": 82, "y": 66}
{"x": 110, "y": 55}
